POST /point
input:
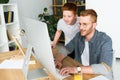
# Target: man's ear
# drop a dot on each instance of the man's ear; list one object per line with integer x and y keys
{"x": 76, "y": 15}
{"x": 94, "y": 24}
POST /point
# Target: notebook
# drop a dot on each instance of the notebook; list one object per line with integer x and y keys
{"x": 101, "y": 77}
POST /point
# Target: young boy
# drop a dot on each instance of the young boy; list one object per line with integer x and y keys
{"x": 69, "y": 24}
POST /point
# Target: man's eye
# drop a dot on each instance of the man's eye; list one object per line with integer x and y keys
{"x": 84, "y": 24}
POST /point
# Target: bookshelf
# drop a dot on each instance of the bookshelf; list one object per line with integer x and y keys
{"x": 57, "y": 5}
{"x": 10, "y": 27}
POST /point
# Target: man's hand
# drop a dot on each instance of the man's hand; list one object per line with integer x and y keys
{"x": 68, "y": 70}
{"x": 58, "y": 64}
{"x": 58, "y": 60}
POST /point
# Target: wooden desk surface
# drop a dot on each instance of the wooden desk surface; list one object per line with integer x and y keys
{"x": 17, "y": 74}
{"x": 11, "y": 74}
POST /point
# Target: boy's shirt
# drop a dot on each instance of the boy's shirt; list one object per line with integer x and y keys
{"x": 69, "y": 30}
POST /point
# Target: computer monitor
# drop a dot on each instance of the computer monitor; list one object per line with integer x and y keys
{"x": 39, "y": 44}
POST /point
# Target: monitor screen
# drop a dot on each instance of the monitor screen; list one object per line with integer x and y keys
{"x": 38, "y": 40}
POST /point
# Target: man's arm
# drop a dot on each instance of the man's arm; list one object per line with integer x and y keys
{"x": 58, "y": 60}
{"x": 59, "y": 57}
{"x": 87, "y": 69}
{"x": 101, "y": 68}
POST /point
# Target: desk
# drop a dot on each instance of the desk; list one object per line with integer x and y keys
{"x": 70, "y": 62}
{"x": 16, "y": 74}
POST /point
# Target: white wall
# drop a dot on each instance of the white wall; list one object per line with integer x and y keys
{"x": 31, "y": 9}
{"x": 108, "y": 19}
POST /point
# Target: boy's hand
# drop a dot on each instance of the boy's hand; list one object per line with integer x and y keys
{"x": 53, "y": 45}
{"x": 58, "y": 60}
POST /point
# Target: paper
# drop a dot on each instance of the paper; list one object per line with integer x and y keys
{"x": 101, "y": 77}
{"x": 12, "y": 64}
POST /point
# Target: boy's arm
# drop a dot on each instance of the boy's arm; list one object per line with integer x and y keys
{"x": 57, "y": 36}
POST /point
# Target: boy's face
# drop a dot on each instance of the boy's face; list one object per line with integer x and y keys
{"x": 69, "y": 17}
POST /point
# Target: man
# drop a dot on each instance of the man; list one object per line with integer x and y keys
{"x": 93, "y": 49}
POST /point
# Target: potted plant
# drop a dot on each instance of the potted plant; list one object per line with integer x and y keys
{"x": 51, "y": 22}
{"x": 4, "y": 1}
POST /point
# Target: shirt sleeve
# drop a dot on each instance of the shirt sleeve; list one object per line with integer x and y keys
{"x": 59, "y": 25}
{"x": 71, "y": 45}
{"x": 107, "y": 52}
{"x": 101, "y": 69}
{"x": 63, "y": 51}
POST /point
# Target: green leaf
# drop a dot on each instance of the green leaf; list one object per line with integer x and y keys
{"x": 51, "y": 22}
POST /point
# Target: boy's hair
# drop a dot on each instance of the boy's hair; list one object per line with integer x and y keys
{"x": 70, "y": 7}
{"x": 90, "y": 12}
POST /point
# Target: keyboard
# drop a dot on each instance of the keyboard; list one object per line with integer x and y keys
{"x": 61, "y": 77}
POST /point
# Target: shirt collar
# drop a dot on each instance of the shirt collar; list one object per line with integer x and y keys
{"x": 94, "y": 36}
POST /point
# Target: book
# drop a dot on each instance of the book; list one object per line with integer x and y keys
{"x": 0, "y": 20}
{"x": 12, "y": 16}
{"x": 101, "y": 77}
{"x": 9, "y": 15}
{"x": 64, "y": 1}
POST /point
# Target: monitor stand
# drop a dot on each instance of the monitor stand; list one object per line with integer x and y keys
{"x": 36, "y": 74}
{"x": 33, "y": 74}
